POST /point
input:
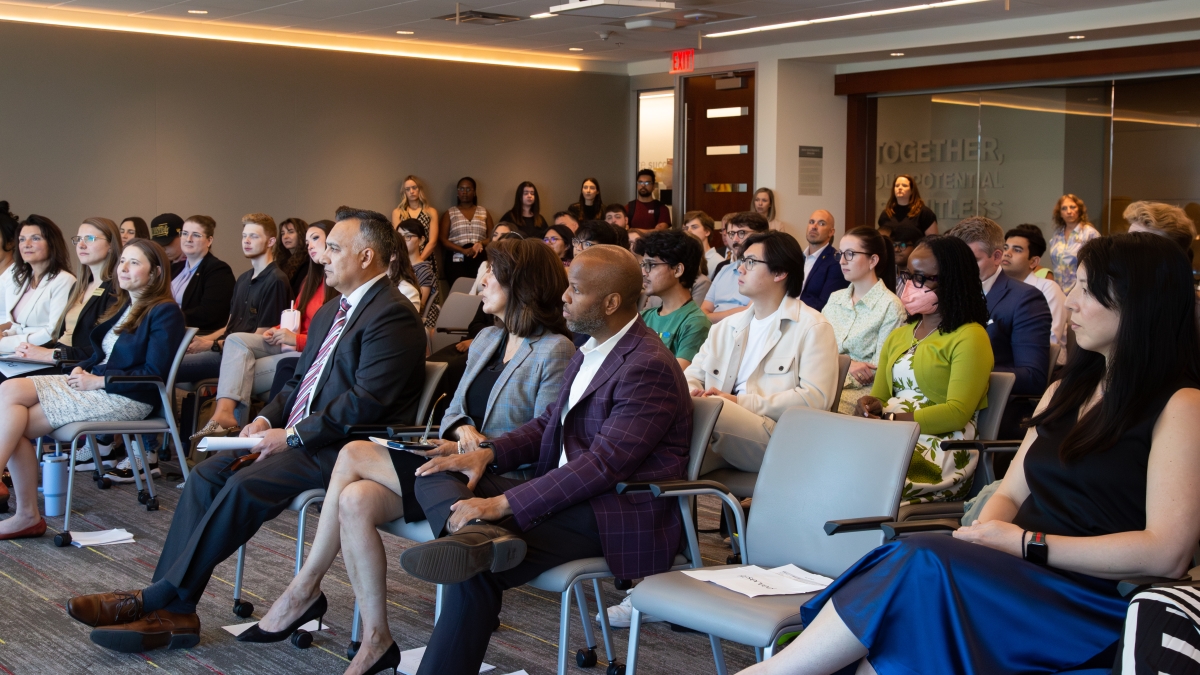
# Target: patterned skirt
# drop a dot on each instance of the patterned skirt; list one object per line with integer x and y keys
{"x": 63, "y": 405}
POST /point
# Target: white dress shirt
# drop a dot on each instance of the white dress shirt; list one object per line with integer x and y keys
{"x": 1058, "y": 311}
{"x": 990, "y": 281}
{"x": 593, "y": 357}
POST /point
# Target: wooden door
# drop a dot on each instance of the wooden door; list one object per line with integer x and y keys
{"x": 719, "y": 142}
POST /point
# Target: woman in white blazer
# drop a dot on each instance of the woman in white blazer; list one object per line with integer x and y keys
{"x": 37, "y": 288}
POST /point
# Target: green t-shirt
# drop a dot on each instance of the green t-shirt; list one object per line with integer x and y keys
{"x": 682, "y": 331}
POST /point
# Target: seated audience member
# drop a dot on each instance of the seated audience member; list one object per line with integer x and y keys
{"x": 463, "y": 231}
{"x": 291, "y": 253}
{"x": 567, "y": 220}
{"x": 646, "y": 212}
{"x": 414, "y": 235}
{"x": 1019, "y": 317}
{"x": 590, "y": 205}
{"x": 934, "y": 370}
{"x": 597, "y": 232}
{"x": 1167, "y": 221}
{"x": 1024, "y": 246}
{"x": 514, "y": 371}
{"x": 904, "y": 238}
{"x": 134, "y": 228}
{"x": 137, "y": 336}
{"x": 402, "y": 275}
{"x": 670, "y": 261}
{"x": 701, "y": 226}
{"x": 164, "y": 231}
{"x": 763, "y": 204}
{"x": 36, "y": 290}
{"x": 260, "y": 295}
{"x": 201, "y": 284}
{"x": 622, "y": 414}
{"x": 615, "y": 214}
{"x": 558, "y": 238}
{"x": 634, "y": 235}
{"x": 781, "y": 354}
{"x": 248, "y": 360}
{"x": 866, "y": 312}
{"x": 725, "y": 296}
{"x": 822, "y": 275}
{"x": 365, "y": 367}
{"x": 1102, "y": 489}
{"x": 526, "y": 212}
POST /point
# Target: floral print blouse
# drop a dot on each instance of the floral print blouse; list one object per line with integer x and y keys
{"x": 862, "y": 326}
{"x": 1064, "y": 253}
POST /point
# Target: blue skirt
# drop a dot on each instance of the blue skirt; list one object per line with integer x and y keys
{"x": 932, "y": 605}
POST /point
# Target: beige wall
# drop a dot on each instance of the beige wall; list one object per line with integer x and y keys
{"x": 115, "y": 124}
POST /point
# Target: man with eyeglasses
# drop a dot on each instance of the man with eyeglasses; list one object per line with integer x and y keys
{"x": 822, "y": 273}
{"x": 904, "y": 239}
{"x": 670, "y": 262}
{"x": 724, "y": 295}
{"x": 646, "y": 212}
{"x": 779, "y": 355}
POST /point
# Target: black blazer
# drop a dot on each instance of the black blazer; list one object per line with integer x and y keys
{"x": 375, "y": 376}
{"x": 81, "y": 338}
{"x": 825, "y": 278}
{"x": 208, "y": 294}
{"x": 1019, "y": 327}
{"x": 149, "y": 350}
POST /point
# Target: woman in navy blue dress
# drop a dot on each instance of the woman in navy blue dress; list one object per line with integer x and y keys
{"x": 1106, "y": 486}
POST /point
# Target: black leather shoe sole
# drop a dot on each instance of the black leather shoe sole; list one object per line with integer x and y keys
{"x": 133, "y": 642}
{"x": 452, "y": 561}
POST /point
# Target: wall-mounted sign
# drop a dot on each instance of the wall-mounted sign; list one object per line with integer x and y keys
{"x": 683, "y": 61}
{"x": 811, "y": 170}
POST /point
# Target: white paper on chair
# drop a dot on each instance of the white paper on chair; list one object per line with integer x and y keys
{"x": 238, "y": 629}
{"x": 753, "y": 581}
{"x": 217, "y": 443}
{"x": 14, "y": 368}
{"x": 101, "y": 538}
{"x": 410, "y": 662}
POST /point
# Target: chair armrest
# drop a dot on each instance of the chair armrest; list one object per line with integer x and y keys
{"x": 981, "y": 446}
{"x": 135, "y": 379}
{"x": 1135, "y": 585}
{"x": 674, "y": 487}
{"x": 365, "y": 430}
{"x": 833, "y": 527}
{"x": 893, "y": 530}
{"x": 454, "y": 331}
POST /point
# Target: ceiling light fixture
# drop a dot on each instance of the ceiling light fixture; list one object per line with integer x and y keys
{"x": 613, "y": 9}
{"x": 574, "y": 49}
{"x": 543, "y": 15}
{"x": 197, "y": 11}
{"x": 846, "y": 17}
{"x": 897, "y": 54}
{"x": 404, "y": 32}
{"x": 1076, "y": 37}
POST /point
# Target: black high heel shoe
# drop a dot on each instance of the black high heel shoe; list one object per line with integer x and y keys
{"x": 389, "y": 661}
{"x": 315, "y": 611}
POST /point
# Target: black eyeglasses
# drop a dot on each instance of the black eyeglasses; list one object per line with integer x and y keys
{"x": 580, "y": 243}
{"x": 901, "y": 245}
{"x": 749, "y": 263}
{"x": 916, "y": 278}
{"x": 737, "y": 234}
{"x": 847, "y": 255}
{"x": 649, "y": 265}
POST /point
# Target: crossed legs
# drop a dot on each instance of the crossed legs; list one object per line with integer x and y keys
{"x": 21, "y": 418}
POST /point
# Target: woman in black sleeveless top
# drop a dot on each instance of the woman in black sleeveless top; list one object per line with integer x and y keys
{"x": 1106, "y": 486}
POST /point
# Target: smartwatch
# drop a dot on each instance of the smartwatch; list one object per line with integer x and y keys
{"x": 1036, "y": 551}
{"x": 293, "y": 438}
{"x": 56, "y": 354}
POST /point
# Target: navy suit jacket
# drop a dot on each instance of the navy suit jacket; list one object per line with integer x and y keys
{"x": 148, "y": 350}
{"x": 825, "y": 278}
{"x": 633, "y": 423}
{"x": 1019, "y": 327}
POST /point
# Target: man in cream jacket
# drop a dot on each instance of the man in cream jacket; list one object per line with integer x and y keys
{"x": 779, "y": 355}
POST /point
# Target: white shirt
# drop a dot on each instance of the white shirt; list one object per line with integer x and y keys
{"x": 810, "y": 260}
{"x": 593, "y": 358}
{"x": 990, "y": 281}
{"x": 756, "y": 349}
{"x": 1058, "y": 310}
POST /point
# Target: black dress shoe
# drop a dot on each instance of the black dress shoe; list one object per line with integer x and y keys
{"x": 315, "y": 611}
{"x": 455, "y": 558}
{"x": 389, "y": 661}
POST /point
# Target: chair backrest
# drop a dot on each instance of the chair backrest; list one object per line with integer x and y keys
{"x": 705, "y": 412}
{"x": 1055, "y": 350}
{"x": 462, "y": 285}
{"x": 999, "y": 387}
{"x": 457, "y": 313}
{"x": 818, "y": 467}
{"x": 188, "y": 334}
{"x": 843, "y": 370}
{"x": 433, "y": 375}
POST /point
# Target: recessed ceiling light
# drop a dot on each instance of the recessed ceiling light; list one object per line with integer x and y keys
{"x": 897, "y": 54}
{"x": 575, "y": 49}
{"x": 197, "y": 11}
{"x": 404, "y": 32}
{"x": 844, "y": 17}
{"x": 543, "y": 15}
{"x": 1076, "y": 37}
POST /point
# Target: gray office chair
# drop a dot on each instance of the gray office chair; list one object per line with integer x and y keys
{"x": 463, "y": 285}
{"x": 302, "y": 501}
{"x": 803, "y": 486}
{"x": 454, "y": 319}
{"x": 843, "y": 370}
{"x": 163, "y": 423}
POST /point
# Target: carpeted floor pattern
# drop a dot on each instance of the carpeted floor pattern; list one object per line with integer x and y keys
{"x": 37, "y": 636}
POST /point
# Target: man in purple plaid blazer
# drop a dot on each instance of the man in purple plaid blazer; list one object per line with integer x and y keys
{"x": 624, "y": 414}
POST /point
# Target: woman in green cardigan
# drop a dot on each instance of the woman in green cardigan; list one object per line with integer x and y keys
{"x": 935, "y": 369}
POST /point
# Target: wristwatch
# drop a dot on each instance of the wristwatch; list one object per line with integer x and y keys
{"x": 1036, "y": 551}
{"x": 293, "y": 438}
{"x": 56, "y": 354}
{"x": 216, "y": 346}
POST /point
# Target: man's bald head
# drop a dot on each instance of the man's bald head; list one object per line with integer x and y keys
{"x": 820, "y": 228}
{"x": 611, "y": 269}
{"x": 602, "y": 296}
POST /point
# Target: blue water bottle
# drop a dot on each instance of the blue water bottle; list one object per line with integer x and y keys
{"x": 54, "y": 484}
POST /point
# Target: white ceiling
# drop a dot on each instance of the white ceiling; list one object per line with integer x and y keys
{"x": 380, "y": 19}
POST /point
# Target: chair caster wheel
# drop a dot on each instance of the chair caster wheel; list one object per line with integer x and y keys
{"x": 352, "y": 650}
{"x": 734, "y": 560}
{"x": 103, "y": 483}
{"x": 7, "y": 479}
{"x": 152, "y": 504}
{"x": 143, "y": 496}
{"x": 586, "y": 658}
{"x": 243, "y": 609}
{"x": 62, "y": 539}
{"x": 622, "y": 584}
{"x": 615, "y": 668}
{"x": 302, "y": 639}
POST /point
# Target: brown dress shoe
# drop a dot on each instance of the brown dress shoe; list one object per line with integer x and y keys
{"x": 153, "y": 631}
{"x": 106, "y": 609}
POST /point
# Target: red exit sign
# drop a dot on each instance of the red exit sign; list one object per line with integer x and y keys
{"x": 683, "y": 61}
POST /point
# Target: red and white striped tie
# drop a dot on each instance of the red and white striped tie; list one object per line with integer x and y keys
{"x": 300, "y": 407}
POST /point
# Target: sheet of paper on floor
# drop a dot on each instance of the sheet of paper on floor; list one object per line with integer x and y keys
{"x": 238, "y": 629}
{"x": 753, "y": 581}
{"x": 101, "y": 538}
{"x": 410, "y": 662}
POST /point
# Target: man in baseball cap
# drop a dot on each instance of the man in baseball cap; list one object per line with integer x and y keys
{"x": 164, "y": 230}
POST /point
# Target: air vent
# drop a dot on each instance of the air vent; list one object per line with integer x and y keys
{"x": 649, "y": 24}
{"x": 477, "y": 18}
{"x": 613, "y": 9}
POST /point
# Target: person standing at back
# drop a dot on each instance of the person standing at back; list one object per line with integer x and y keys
{"x": 526, "y": 212}
{"x": 822, "y": 275}
{"x": 590, "y": 205}
{"x": 905, "y": 206}
{"x": 1072, "y": 230}
{"x": 646, "y": 212}
{"x": 463, "y": 231}
{"x": 763, "y": 204}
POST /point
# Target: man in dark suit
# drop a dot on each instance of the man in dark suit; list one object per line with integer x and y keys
{"x": 623, "y": 414}
{"x": 822, "y": 273}
{"x": 1019, "y": 317}
{"x": 202, "y": 283}
{"x": 367, "y": 368}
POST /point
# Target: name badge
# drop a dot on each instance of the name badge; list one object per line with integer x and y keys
{"x": 98, "y": 292}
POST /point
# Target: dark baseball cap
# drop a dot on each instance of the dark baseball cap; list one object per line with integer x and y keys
{"x": 165, "y": 227}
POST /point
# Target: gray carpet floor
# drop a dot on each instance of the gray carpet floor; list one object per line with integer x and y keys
{"x": 37, "y": 636}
